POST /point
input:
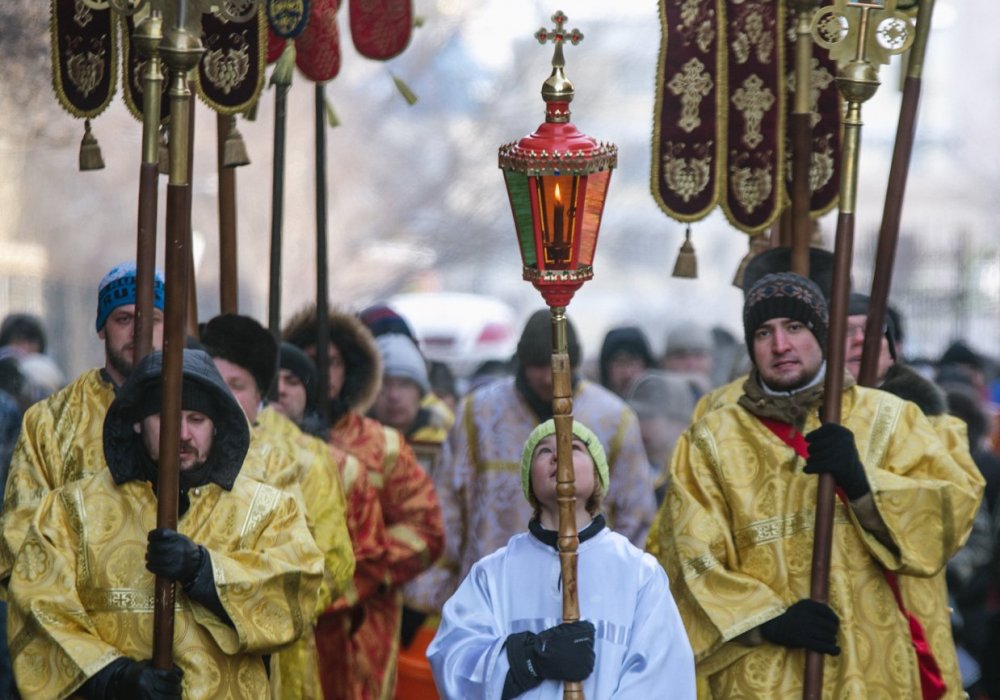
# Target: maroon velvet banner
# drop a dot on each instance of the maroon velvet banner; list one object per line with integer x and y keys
{"x": 723, "y": 95}
{"x": 231, "y": 71}
{"x": 84, "y": 57}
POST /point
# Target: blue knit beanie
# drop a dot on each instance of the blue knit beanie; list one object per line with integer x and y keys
{"x": 118, "y": 288}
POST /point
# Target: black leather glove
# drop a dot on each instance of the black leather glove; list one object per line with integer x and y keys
{"x": 832, "y": 451}
{"x": 141, "y": 681}
{"x": 808, "y": 624}
{"x": 563, "y": 653}
{"x": 173, "y": 555}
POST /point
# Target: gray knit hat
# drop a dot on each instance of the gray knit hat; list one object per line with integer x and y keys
{"x": 401, "y": 358}
{"x": 785, "y": 295}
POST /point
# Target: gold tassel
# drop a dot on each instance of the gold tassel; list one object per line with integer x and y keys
{"x": 163, "y": 156}
{"x": 234, "y": 150}
{"x": 404, "y": 90}
{"x": 418, "y": 21}
{"x": 687, "y": 261}
{"x": 331, "y": 116}
{"x": 251, "y": 112}
{"x": 90, "y": 150}
{"x": 758, "y": 244}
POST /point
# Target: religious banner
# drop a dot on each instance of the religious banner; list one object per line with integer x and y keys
{"x": 231, "y": 71}
{"x": 381, "y": 29}
{"x": 723, "y": 95}
{"x": 84, "y": 57}
{"x": 317, "y": 50}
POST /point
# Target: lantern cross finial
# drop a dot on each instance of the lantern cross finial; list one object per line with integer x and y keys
{"x": 557, "y": 36}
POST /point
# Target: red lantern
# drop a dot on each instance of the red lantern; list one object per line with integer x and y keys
{"x": 557, "y": 181}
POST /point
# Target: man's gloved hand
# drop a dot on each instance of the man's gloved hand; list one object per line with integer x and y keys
{"x": 563, "y": 653}
{"x": 832, "y": 451}
{"x": 173, "y": 555}
{"x": 807, "y": 623}
{"x": 140, "y": 681}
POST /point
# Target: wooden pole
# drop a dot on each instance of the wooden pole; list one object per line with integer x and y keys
{"x": 562, "y": 414}
{"x": 857, "y": 80}
{"x": 277, "y": 201}
{"x": 181, "y": 51}
{"x": 888, "y": 237}
{"x": 322, "y": 283}
{"x": 192, "y": 293}
{"x": 147, "y": 37}
{"x": 228, "y": 287}
{"x": 800, "y": 126}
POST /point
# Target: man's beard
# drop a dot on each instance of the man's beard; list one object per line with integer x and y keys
{"x": 119, "y": 362}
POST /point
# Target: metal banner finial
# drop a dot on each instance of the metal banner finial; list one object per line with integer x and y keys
{"x": 864, "y": 30}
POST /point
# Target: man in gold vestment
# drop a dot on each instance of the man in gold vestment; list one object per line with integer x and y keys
{"x": 82, "y": 586}
{"x": 735, "y": 531}
{"x": 61, "y": 437}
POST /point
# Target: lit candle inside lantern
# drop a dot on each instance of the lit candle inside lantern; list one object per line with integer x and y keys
{"x": 557, "y": 218}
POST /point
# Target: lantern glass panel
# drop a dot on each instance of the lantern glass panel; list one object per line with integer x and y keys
{"x": 519, "y": 191}
{"x": 557, "y": 199}
{"x": 593, "y": 208}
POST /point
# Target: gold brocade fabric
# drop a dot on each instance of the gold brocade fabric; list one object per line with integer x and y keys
{"x": 735, "y": 535}
{"x": 61, "y": 440}
{"x": 81, "y": 594}
{"x": 316, "y": 477}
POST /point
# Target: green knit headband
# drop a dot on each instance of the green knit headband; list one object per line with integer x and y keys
{"x": 582, "y": 433}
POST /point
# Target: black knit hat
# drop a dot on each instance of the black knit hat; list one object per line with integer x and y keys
{"x": 296, "y": 361}
{"x": 535, "y": 345}
{"x": 785, "y": 295}
{"x": 779, "y": 259}
{"x": 244, "y": 342}
{"x": 194, "y": 397}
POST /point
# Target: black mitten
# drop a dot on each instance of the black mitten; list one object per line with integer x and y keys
{"x": 832, "y": 451}
{"x": 172, "y": 555}
{"x": 143, "y": 682}
{"x": 807, "y": 623}
{"x": 564, "y": 653}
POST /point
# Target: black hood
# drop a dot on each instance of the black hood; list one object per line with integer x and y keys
{"x": 123, "y": 447}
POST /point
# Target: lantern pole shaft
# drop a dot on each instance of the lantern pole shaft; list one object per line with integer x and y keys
{"x": 562, "y": 413}
{"x": 277, "y": 209}
{"x": 888, "y": 238}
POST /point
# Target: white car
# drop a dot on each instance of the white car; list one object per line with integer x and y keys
{"x": 460, "y": 329}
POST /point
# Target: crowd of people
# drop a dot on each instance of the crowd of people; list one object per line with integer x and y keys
{"x": 411, "y": 514}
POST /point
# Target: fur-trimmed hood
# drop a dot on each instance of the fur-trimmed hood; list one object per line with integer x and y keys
{"x": 232, "y": 431}
{"x": 907, "y": 384}
{"x": 362, "y": 362}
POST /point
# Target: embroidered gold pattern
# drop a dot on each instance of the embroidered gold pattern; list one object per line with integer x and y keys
{"x": 228, "y": 68}
{"x": 753, "y": 99}
{"x": 687, "y": 176}
{"x": 691, "y": 84}
{"x": 753, "y": 37}
{"x": 85, "y": 69}
{"x": 82, "y": 14}
{"x": 751, "y": 186}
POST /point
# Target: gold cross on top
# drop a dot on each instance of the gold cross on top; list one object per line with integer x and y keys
{"x": 558, "y": 34}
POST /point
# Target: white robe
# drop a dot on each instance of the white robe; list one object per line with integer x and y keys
{"x": 640, "y": 645}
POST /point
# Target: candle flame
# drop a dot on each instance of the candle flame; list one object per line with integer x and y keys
{"x": 558, "y": 194}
